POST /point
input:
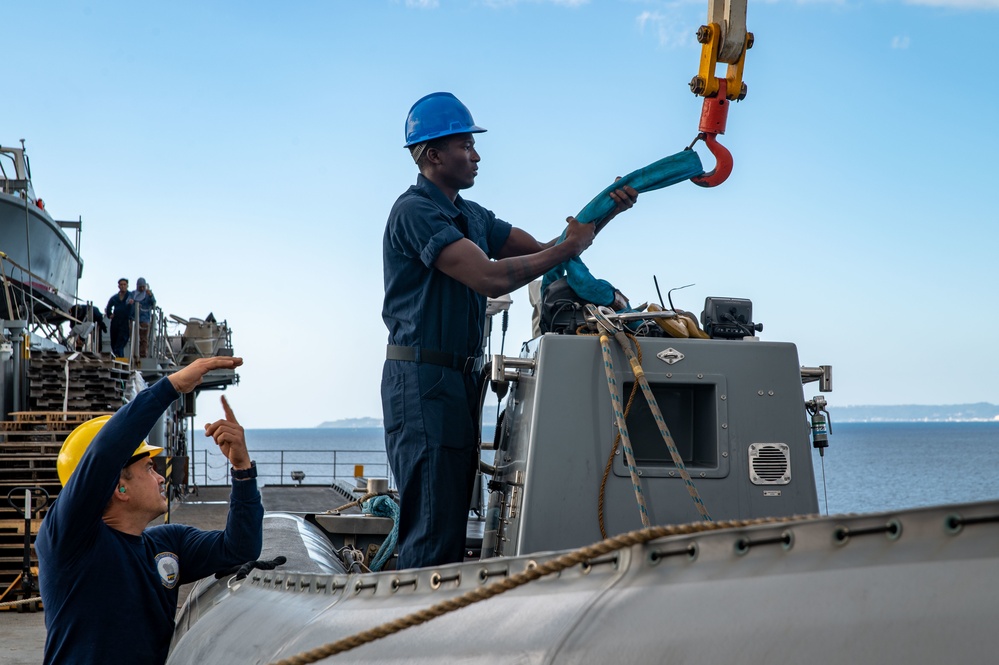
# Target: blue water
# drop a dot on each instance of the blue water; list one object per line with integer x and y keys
{"x": 889, "y": 466}
{"x": 321, "y": 453}
{"x": 868, "y": 466}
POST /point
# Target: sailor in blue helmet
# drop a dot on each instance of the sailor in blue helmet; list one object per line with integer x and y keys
{"x": 443, "y": 255}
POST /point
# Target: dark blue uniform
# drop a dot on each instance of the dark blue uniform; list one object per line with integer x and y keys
{"x": 430, "y": 410}
{"x": 120, "y": 313}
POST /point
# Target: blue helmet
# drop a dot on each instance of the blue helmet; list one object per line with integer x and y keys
{"x": 436, "y": 115}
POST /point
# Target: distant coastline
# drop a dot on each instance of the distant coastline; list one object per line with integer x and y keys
{"x": 903, "y": 413}
{"x": 352, "y": 423}
{"x": 917, "y": 413}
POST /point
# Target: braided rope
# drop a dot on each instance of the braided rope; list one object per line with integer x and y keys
{"x": 602, "y": 494}
{"x": 560, "y": 563}
{"x": 622, "y": 428}
{"x": 358, "y": 502}
{"x": 636, "y": 368}
{"x": 15, "y": 603}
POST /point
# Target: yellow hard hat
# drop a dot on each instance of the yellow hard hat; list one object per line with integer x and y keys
{"x": 78, "y": 440}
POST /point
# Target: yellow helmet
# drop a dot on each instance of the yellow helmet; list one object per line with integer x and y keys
{"x": 79, "y": 439}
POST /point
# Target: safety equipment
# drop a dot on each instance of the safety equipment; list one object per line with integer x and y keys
{"x": 436, "y": 115}
{"x": 79, "y": 439}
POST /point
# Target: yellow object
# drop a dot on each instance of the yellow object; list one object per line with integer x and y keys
{"x": 358, "y": 470}
{"x": 673, "y": 326}
{"x": 79, "y": 440}
{"x": 710, "y": 38}
{"x": 692, "y": 328}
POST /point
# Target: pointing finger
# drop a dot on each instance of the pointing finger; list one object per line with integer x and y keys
{"x": 229, "y": 415}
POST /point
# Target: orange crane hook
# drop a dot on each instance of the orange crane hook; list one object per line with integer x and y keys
{"x": 714, "y": 116}
{"x": 724, "y": 39}
{"x": 723, "y": 164}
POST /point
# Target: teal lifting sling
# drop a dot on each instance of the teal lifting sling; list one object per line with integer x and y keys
{"x": 667, "y": 171}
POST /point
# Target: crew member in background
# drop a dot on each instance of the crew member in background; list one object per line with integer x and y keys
{"x": 443, "y": 255}
{"x": 119, "y": 311}
{"x": 109, "y": 584}
{"x": 143, "y": 295}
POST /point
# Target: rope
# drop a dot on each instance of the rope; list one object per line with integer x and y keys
{"x": 384, "y": 506}
{"x": 358, "y": 502}
{"x": 622, "y": 428}
{"x": 601, "y": 496}
{"x": 15, "y": 603}
{"x": 555, "y": 565}
{"x": 636, "y": 368}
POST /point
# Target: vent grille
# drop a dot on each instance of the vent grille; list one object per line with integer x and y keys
{"x": 769, "y": 464}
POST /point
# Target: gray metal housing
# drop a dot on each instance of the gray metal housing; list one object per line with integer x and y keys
{"x": 560, "y": 429}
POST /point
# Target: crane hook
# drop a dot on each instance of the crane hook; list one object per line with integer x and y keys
{"x": 714, "y": 116}
{"x": 723, "y": 163}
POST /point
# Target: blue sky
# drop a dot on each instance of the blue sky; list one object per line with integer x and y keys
{"x": 243, "y": 158}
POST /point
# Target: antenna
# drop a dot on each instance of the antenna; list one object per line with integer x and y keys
{"x": 659, "y": 293}
{"x": 669, "y": 294}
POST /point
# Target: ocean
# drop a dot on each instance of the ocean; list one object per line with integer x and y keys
{"x": 890, "y": 466}
{"x": 867, "y": 467}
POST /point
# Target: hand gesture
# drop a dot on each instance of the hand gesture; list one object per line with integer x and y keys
{"x": 187, "y": 379}
{"x": 230, "y": 438}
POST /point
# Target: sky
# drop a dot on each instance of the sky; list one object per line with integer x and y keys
{"x": 243, "y": 158}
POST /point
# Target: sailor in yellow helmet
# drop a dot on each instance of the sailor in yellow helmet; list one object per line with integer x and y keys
{"x": 109, "y": 581}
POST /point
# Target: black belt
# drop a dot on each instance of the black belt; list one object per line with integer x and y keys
{"x": 466, "y": 365}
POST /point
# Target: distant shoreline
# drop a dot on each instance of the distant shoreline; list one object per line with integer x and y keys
{"x": 351, "y": 423}
{"x": 917, "y": 413}
{"x": 918, "y": 420}
{"x": 981, "y": 412}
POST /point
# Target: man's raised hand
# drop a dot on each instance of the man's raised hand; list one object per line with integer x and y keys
{"x": 187, "y": 379}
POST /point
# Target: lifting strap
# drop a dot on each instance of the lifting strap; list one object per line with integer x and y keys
{"x": 667, "y": 171}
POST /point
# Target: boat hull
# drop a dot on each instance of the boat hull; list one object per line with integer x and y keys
{"x": 33, "y": 241}
{"x": 902, "y": 587}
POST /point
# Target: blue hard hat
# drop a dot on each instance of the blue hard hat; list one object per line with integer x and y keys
{"x": 436, "y": 115}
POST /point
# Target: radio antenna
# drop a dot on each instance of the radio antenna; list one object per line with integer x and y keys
{"x": 669, "y": 294}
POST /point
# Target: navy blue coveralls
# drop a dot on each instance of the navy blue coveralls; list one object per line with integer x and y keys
{"x": 120, "y": 313}
{"x": 430, "y": 410}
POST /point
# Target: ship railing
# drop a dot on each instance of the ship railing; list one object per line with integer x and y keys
{"x": 275, "y": 467}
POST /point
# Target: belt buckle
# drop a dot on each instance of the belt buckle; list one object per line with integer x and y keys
{"x": 470, "y": 363}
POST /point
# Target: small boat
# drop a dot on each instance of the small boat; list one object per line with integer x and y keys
{"x": 39, "y": 261}
{"x": 695, "y": 539}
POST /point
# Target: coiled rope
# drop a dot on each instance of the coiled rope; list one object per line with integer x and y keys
{"x": 381, "y": 505}
{"x": 384, "y": 506}
{"x": 555, "y": 565}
